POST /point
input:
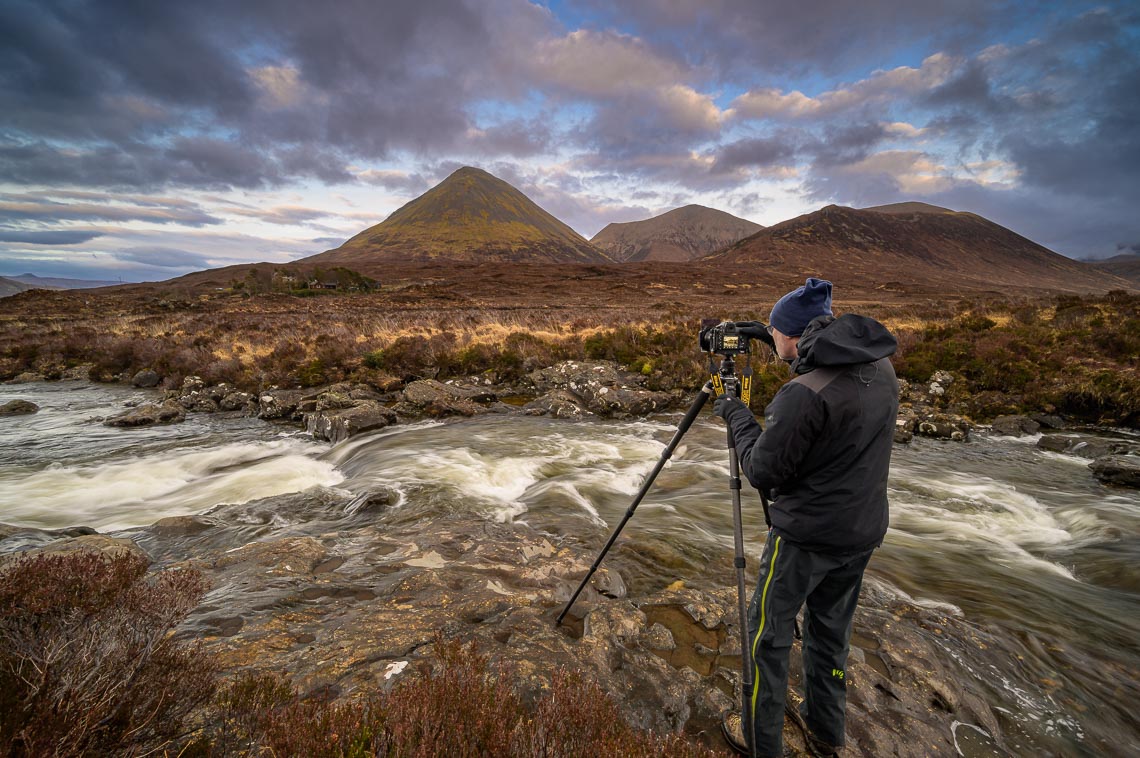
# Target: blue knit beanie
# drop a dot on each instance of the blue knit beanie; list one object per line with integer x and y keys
{"x": 794, "y": 311}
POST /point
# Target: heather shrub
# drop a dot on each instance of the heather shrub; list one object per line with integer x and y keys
{"x": 464, "y": 706}
{"x": 87, "y": 665}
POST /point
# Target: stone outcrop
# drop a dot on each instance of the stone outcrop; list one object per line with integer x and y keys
{"x": 1121, "y": 470}
{"x": 601, "y": 388}
{"x": 18, "y": 408}
{"x": 170, "y": 412}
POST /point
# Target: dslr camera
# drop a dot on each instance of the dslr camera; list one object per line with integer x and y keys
{"x": 723, "y": 338}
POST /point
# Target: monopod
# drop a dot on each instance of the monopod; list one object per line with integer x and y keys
{"x": 724, "y": 381}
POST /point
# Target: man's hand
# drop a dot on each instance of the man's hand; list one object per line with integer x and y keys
{"x": 756, "y": 330}
{"x": 724, "y": 405}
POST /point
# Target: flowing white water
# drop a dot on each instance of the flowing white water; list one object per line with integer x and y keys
{"x": 61, "y": 467}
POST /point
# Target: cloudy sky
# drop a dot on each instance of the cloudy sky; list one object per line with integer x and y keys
{"x": 142, "y": 140}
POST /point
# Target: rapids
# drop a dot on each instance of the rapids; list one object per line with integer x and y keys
{"x": 1024, "y": 545}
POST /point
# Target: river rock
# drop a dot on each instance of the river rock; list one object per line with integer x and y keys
{"x": 170, "y": 412}
{"x": 1085, "y": 446}
{"x": 18, "y": 408}
{"x": 236, "y": 401}
{"x": 941, "y": 426}
{"x": 1015, "y": 426}
{"x": 1121, "y": 470}
{"x": 600, "y": 387}
{"x": 91, "y": 543}
{"x": 434, "y": 398}
{"x": 146, "y": 379}
{"x": 280, "y": 405}
{"x": 336, "y": 425}
{"x": 557, "y": 403}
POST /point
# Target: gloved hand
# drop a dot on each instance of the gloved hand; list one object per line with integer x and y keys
{"x": 724, "y": 405}
{"x": 757, "y": 330}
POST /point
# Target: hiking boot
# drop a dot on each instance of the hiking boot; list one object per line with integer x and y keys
{"x": 732, "y": 726}
{"x": 816, "y": 747}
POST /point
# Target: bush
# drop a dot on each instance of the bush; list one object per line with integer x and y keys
{"x": 464, "y": 707}
{"x": 87, "y": 665}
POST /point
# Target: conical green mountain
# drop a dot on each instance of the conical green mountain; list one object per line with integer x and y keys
{"x": 471, "y": 216}
{"x": 682, "y": 234}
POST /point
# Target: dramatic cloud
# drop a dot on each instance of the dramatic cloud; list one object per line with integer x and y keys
{"x": 285, "y": 120}
{"x": 59, "y": 237}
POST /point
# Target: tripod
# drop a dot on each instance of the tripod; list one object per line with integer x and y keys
{"x": 724, "y": 381}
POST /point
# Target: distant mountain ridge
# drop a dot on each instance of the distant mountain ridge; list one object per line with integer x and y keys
{"x": 471, "y": 216}
{"x": 682, "y": 234}
{"x": 12, "y": 285}
{"x": 912, "y": 242}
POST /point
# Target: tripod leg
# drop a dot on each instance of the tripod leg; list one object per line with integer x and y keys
{"x": 746, "y": 673}
{"x": 686, "y": 422}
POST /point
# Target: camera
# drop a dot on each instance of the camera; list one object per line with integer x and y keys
{"x": 723, "y": 338}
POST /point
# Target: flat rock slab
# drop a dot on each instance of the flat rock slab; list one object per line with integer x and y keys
{"x": 1121, "y": 470}
{"x": 18, "y": 408}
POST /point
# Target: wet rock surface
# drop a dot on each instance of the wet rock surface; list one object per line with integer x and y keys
{"x": 1085, "y": 446}
{"x": 356, "y": 609}
{"x": 1015, "y": 426}
{"x": 148, "y": 414}
{"x": 1120, "y": 470}
{"x": 18, "y": 408}
{"x": 602, "y": 388}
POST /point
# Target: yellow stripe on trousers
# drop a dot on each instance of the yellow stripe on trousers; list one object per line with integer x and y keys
{"x": 763, "y": 618}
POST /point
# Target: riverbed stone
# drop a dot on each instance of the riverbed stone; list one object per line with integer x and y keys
{"x": 1086, "y": 446}
{"x": 146, "y": 379}
{"x": 149, "y": 414}
{"x": 1015, "y": 426}
{"x": 280, "y": 405}
{"x": 1121, "y": 470}
{"x": 337, "y": 425}
{"x": 18, "y": 408}
{"x": 600, "y": 387}
{"x": 434, "y": 398}
{"x": 927, "y": 423}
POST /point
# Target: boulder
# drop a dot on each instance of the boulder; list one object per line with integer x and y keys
{"x": 1015, "y": 426}
{"x": 18, "y": 408}
{"x": 939, "y": 426}
{"x": 600, "y": 387}
{"x": 236, "y": 401}
{"x": 170, "y": 412}
{"x": 1085, "y": 446}
{"x": 557, "y": 403}
{"x": 1121, "y": 470}
{"x": 336, "y": 425}
{"x": 146, "y": 379}
{"x": 434, "y": 398}
{"x": 283, "y": 405}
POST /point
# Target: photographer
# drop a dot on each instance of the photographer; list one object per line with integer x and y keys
{"x": 823, "y": 457}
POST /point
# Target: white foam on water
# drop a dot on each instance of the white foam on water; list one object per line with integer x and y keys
{"x": 137, "y": 492}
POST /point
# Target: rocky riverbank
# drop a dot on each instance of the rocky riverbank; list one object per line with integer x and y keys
{"x": 353, "y": 611}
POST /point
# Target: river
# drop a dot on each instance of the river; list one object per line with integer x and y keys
{"x": 1024, "y": 544}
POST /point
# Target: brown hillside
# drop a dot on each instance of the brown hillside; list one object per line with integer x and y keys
{"x": 471, "y": 216}
{"x": 1124, "y": 266}
{"x": 682, "y": 234}
{"x": 901, "y": 246}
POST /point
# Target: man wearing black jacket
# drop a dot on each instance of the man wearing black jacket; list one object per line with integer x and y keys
{"x": 823, "y": 458}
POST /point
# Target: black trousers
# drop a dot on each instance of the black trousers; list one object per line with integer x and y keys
{"x": 829, "y": 585}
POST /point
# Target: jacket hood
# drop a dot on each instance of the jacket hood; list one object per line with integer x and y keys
{"x": 842, "y": 341}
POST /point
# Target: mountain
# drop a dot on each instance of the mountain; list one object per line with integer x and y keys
{"x": 1125, "y": 266}
{"x": 471, "y": 216}
{"x": 55, "y": 283}
{"x": 912, "y": 243}
{"x": 682, "y": 234}
{"x": 10, "y": 286}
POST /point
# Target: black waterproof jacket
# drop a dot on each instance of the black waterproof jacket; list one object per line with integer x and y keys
{"x": 825, "y": 449}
